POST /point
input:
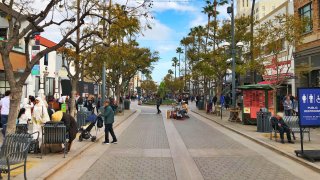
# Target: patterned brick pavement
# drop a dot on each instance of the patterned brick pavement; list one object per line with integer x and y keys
{"x": 142, "y": 153}
{"x": 198, "y": 135}
{"x": 131, "y": 168}
{"x": 240, "y": 168}
{"x": 220, "y": 157}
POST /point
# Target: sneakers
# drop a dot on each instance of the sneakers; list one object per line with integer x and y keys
{"x": 114, "y": 142}
{"x": 282, "y": 141}
{"x": 106, "y": 142}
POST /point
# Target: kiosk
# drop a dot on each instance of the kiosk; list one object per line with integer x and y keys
{"x": 255, "y": 98}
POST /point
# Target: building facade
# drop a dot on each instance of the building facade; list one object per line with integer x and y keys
{"x": 307, "y": 57}
{"x": 261, "y": 8}
{"x": 282, "y": 65}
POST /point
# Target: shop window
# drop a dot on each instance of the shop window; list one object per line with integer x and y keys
{"x": 306, "y": 13}
{"x": 46, "y": 59}
{"x": 3, "y": 33}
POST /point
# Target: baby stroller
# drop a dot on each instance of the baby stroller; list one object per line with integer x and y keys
{"x": 85, "y": 133}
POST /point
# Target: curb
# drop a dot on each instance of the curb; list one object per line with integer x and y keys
{"x": 292, "y": 157}
{"x": 68, "y": 159}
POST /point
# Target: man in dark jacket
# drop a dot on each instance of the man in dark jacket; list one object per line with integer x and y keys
{"x": 108, "y": 123}
{"x": 278, "y": 123}
{"x": 69, "y": 122}
{"x": 159, "y": 101}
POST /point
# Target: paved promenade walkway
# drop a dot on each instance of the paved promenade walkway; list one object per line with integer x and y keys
{"x": 251, "y": 131}
{"x": 152, "y": 147}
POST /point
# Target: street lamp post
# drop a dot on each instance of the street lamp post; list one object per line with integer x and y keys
{"x": 233, "y": 112}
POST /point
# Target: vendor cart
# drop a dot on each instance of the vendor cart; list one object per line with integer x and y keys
{"x": 256, "y": 97}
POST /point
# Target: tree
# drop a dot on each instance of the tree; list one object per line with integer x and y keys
{"x": 281, "y": 35}
{"x": 174, "y": 85}
{"x": 24, "y": 22}
{"x": 149, "y": 86}
{"x": 179, "y": 51}
{"x": 175, "y": 63}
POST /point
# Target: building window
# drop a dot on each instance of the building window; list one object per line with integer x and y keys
{"x": 247, "y": 3}
{"x": 306, "y": 13}
{"x": 46, "y": 60}
{"x": 242, "y": 3}
{"x": 3, "y": 33}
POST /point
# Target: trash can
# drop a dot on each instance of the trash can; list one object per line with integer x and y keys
{"x": 201, "y": 105}
{"x": 263, "y": 123}
{"x": 126, "y": 104}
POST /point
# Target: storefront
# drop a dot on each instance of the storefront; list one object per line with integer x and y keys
{"x": 307, "y": 68}
{"x": 18, "y": 63}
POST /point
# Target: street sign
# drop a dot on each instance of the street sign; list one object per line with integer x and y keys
{"x": 35, "y": 70}
{"x": 309, "y": 107}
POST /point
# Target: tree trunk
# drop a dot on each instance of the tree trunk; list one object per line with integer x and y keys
{"x": 15, "y": 98}
{"x": 74, "y": 83}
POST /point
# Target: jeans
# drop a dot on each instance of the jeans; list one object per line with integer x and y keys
{"x": 4, "y": 121}
{"x": 108, "y": 128}
{"x": 288, "y": 112}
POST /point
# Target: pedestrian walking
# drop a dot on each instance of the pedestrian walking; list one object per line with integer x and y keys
{"x": 159, "y": 101}
{"x": 27, "y": 105}
{"x": 227, "y": 101}
{"x": 39, "y": 117}
{"x": 214, "y": 100}
{"x": 5, "y": 108}
{"x": 108, "y": 123}
{"x": 288, "y": 106}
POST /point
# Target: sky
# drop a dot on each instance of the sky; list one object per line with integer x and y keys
{"x": 173, "y": 20}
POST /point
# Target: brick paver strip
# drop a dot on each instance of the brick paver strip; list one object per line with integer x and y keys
{"x": 246, "y": 164}
{"x": 131, "y": 168}
{"x": 241, "y": 168}
{"x": 142, "y": 153}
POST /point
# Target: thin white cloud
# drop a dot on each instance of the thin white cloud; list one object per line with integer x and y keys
{"x": 164, "y": 6}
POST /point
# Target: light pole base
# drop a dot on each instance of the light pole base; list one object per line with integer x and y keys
{"x": 234, "y": 115}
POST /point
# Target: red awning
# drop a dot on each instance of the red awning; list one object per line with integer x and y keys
{"x": 268, "y": 82}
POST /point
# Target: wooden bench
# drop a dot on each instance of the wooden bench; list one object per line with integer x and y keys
{"x": 54, "y": 133}
{"x": 14, "y": 151}
{"x": 293, "y": 123}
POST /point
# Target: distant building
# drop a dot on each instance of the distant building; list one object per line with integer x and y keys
{"x": 261, "y": 8}
{"x": 307, "y": 57}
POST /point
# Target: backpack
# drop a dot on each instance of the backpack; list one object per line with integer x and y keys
{"x": 99, "y": 122}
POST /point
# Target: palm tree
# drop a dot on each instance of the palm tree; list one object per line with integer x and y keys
{"x": 175, "y": 64}
{"x": 179, "y": 51}
{"x": 170, "y": 71}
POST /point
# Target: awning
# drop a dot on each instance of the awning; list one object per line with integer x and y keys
{"x": 18, "y": 61}
{"x": 268, "y": 82}
{"x": 256, "y": 86}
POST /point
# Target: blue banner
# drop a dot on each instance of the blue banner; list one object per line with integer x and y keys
{"x": 309, "y": 106}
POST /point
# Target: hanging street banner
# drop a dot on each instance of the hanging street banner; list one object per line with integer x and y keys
{"x": 309, "y": 107}
{"x": 35, "y": 70}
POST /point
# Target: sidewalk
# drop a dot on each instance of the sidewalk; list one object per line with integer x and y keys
{"x": 40, "y": 168}
{"x": 250, "y": 131}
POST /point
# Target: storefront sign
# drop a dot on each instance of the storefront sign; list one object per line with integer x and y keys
{"x": 246, "y": 110}
{"x": 309, "y": 106}
{"x": 35, "y": 70}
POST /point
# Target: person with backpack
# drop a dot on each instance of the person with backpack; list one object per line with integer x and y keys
{"x": 108, "y": 123}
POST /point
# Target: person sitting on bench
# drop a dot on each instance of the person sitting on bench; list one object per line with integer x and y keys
{"x": 279, "y": 124}
{"x": 184, "y": 109}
